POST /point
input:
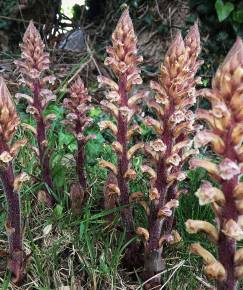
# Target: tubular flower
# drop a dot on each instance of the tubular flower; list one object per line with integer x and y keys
{"x": 224, "y": 132}
{"x": 122, "y": 104}
{"x": 9, "y": 121}
{"x": 33, "y": 64}
{"x": 77, "y": 107}
{"x": 174, "y": 95}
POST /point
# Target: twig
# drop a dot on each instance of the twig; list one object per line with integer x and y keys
{"x": 157, "y": 6}
{"x": 161, "y": 273}
{"x": 177, "y": 267}
{"x": 206, "y": 284}
{"x": 79, "y": 70}
{"x": 19, "y": 20}
{"x": 92, "y": 57}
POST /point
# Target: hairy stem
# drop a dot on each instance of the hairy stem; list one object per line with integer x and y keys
{"x": 153, "y": 260}
{"x": 227, "y": 246}
{"x": 123, "y": 162}
{"x": 80, "y": 165}
{"x": 14, "y": 226}
{"x": 41, "y": 140}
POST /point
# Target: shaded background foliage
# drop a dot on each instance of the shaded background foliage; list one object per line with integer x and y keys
{"x": 155, "y": 21}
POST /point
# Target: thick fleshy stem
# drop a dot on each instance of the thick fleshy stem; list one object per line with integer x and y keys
{"x": 80, "y": 164}
{"x": 122, "y": 166}
{"x": 11, "y": 183}
{"x": 41, "y": 140}
{"x": 16, "y": 261}
{"x": 225, "y": 243}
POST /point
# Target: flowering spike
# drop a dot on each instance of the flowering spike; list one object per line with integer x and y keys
{"x": 33, "y": 65}
{"x": 224, "y": 133}
{"x": 173, "y": 124}
{"x": 123, "y": 104}
{"x": 8, "y": 123}
{"x": 77, "y": 106}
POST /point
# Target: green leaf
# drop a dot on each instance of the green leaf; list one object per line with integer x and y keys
{"x": 238, "y": 15}
{"x": 95, "y": 112}
{"x": 81, "y": 231}
{"x": 223, "y": 10}
{"x": 58, "y": 211}
{"x": 59, "y": 176}
{"x": 67, "y": 139}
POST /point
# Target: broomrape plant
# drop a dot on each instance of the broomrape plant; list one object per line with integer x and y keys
{"x": 32, "y": 66}
{"x": 224, "y": 132}
{"x": 174, "y": 95}
{"x": 122, "y": 104}
{"x": 77, "y": 106}
{"x": 9, "y": 121}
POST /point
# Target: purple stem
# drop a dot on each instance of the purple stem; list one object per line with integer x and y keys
{"x": 80, "y": 157}
{"x": 80, "y": 165}
{"x": 14, "y": 225}
{"x": 153, "y": 252}
{"x": 41, "y": 140}
{"x": 126, "y": 213}
{"x": 227, "y": 246}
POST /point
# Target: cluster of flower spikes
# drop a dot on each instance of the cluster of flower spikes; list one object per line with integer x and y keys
{"x": 9, "y": 121}
{"x": 33, "y": 64}
{"x": 77, "y": 106}
{"x": 225, "y": 135}
{"x": 174, "y": 95}
{"x": 121, "y": 102}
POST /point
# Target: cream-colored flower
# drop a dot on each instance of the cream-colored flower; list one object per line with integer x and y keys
{"x": 233, "y": 230}
{"x": 6, "y": 157}
{"x": 207, "y": 193}
{"x": 174, "y": 159}
{"x": 154, "y": 194}
{"x": 178, "y": 117}
{"x": 158, "y": 146}
{"x": 126, "y": 112}
{"x": 228, "y": 169}
{"x": 206, "y": 136}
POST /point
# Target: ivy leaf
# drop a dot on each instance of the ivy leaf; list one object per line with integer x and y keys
{"x": 223, "y": 10}
{"x": 68, "y": 140}
{"x": 238, "y": 15}
{"x": 94, "y": 146}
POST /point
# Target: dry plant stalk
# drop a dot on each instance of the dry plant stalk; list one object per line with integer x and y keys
{"x": 77, "y": 105}
{"x": 9, "y": 121}
{"x": 174, "y": 95}
{"x": 225, "y": 134}
{"x": 32, "y": 66}
{"x": 122, "y": 104}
